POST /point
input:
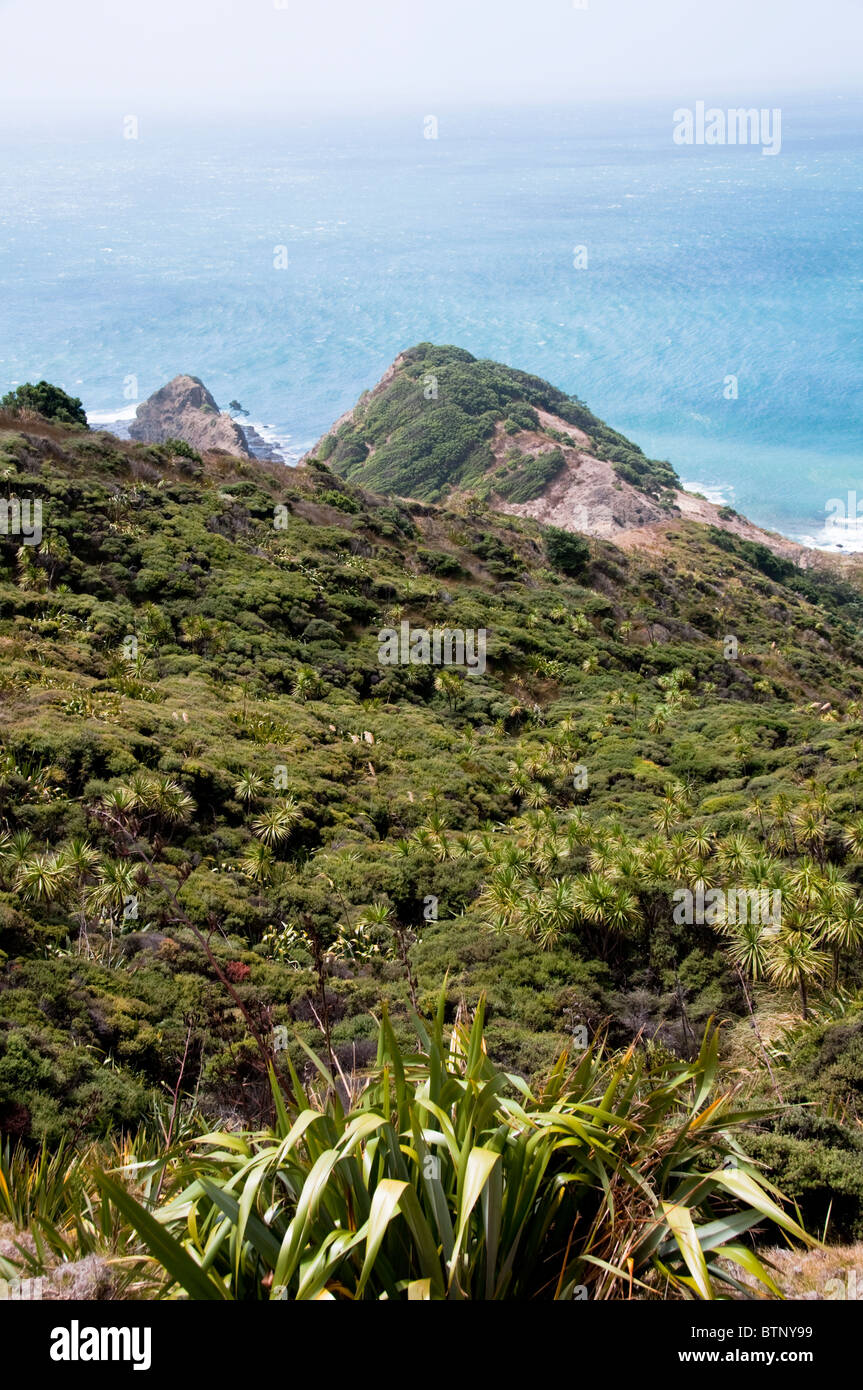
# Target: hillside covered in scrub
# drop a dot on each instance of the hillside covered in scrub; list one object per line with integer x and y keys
{"x": 437, "y": 421}
{"x": 229, "y": 833}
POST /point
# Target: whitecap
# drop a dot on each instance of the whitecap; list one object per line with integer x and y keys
{"x": 838, "y": 540}
{"x": 112, "y": 417}
{"x": 720, "y": 494}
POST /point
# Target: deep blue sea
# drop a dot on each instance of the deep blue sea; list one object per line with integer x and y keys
{"x": 143, "y": 258}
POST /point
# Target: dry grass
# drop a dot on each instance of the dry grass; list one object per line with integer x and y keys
{"x": 740, "y": 1047}
{"x": 30, "y": 423}
{"x": 833, "y": 1273}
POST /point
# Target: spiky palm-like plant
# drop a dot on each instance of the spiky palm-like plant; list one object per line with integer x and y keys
{"x": 80, "y": 857}
{"x": 605, "y": 904}
{"x": 797, "y": 963}
{"x": 381, "y": 916}
{"x": 82, "y": 860}
{"x": 308, "y": 685}
{"x": 42, "y": 878}
{"x": 451, "y": 1180}
{"x": 120, "y": 803}
{"x": 258, "y": 862}
{"x": 666, "y": 816}
{"x": 168, "y": 801}
{"x": 734, "y": 855}
{"x": 749, "y": 951}
{"x": 852, "y": 837}
{"x": 700, "y": 841}
{"x": 116, "y": 880}
{"x": 842, "y": 929}
{"x": 812, "y": 828}
{"x": 274, "y": 826}
{"x": 249, "y": 787}
{"x": 500, "y": 902}
{"x": 805, "y": 880}
{"x": 548, "y": 914}
{"x": 15, "y": 848}
{"x": 658, "y": 719}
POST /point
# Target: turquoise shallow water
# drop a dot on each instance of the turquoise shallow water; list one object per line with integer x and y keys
{"x": 145, "y": 258}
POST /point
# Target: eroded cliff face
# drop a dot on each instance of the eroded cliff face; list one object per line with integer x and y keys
{"x": 443, "y": 426}
{"x": 588, "y": 496}
{"x": 184, "y": 409}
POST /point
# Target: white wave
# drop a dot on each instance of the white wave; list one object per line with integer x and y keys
{"x": 280, "y": 442}
{"x": 836, "y": 539}
{"x": 266, "y": 432}
{"x": 720, "y": 494}
{"x": 111, "y": 417}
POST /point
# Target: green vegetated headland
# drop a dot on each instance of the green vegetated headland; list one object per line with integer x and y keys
{"x": 535, "y": 980}
{"x": 430, "y": 425}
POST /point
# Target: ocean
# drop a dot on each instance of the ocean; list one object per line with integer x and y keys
{"x": 286, "y": 263}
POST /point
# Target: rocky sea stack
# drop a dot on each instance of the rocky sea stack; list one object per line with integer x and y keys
{"x": 185, "y": 409}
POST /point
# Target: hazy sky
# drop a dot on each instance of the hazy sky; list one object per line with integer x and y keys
{"x": 192, "y": 56}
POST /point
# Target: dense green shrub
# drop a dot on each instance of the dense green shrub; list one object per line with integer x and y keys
{"x": 565, "y": 551}
{"x": 531, "y": 476}
{"x": 47, "y": 400}
{"x": 341, "y": 500}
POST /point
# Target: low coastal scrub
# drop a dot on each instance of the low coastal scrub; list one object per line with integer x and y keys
{"x": 230, "y": 836}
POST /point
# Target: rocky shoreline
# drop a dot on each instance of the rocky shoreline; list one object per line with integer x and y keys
{"x": 259, "y": 447}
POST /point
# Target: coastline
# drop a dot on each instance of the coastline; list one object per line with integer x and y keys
{"x": 266, "y": 442}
